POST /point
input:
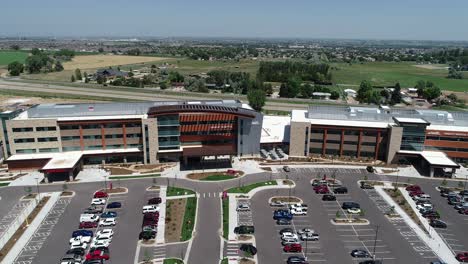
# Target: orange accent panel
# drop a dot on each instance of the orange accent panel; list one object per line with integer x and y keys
{"x": 81, "y": 138}
{"x": 124, "y": 132}
{"x": 103, "y": 137}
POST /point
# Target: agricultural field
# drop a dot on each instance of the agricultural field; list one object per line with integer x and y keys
{"x": 6, "y": 57}
{"x": 100, "y": 61}
{"x": 388, "y": 73}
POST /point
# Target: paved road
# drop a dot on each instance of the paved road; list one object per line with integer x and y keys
{"x": 109, "y": 92}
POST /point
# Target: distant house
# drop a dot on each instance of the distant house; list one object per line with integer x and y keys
{"x": 320, "y": 95}
{"x": 111, "y": 73}
{"x": 350, "y": 92}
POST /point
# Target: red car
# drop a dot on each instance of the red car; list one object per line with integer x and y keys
{"x": 101, "y": 195}
{"x": 97, "y": 254}
{"x": 413, "y": 188}
{"x": 462, "y": 257}
{"x": 315, "y": 188}
{"x": 414, "y": 193}
{"x": 323, "y": 190}
{"x": 88, "y": 225}
{"x": 292, "y": 248}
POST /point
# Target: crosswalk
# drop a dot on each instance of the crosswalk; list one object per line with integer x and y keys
{"x": 210, "y": 195}
{"x": 159, "y": 254}
{"x": 232, "y": 249}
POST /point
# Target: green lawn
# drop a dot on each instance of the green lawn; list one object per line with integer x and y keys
{"x": 219, "y": 177}
{"x": 175, "y": 191}
{"x": 4, "y": 184}
{"x": 226, "y": 217}
{"x": 189, "y": 218}
{"x": 134, "y": 177}
{"x": 224, "y": 261}
{"x": 7, "y": 57}
{"x": 248, "y": 188}
{"x": 389, "y": 73}
{"x": 173, "y": 261}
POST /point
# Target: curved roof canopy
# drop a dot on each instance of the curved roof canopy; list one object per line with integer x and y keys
{"x": 187, "y": 108}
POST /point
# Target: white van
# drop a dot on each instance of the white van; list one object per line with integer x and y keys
{"x": 423, "y": 197}
{"x": 150, "y": 209}
{"x": 89, "y": 218}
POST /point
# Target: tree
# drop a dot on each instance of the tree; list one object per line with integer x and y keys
{"x": 15, "y": 68}
{"x": 453, "y": 97}
{"x": 363, "y": 94}
{"x": 100, "y": 50}
{"x": 78, "y": 75}
{"x": 432, "y": 93}
{"x": 334, "y": 95}
{"x": 34, "y": 64}
{"x": 420, "y": 85}
{"x": 72, "y": 79}
{"x": 15, "y": 47}
{"x": 257, "y": 98}
{"x": 283, "y": 92}
{"x": 294, "y": 86}
{"x": 163, "y": 85}
{"x": 175, "y": 76}
{"x": 268, "y": 88}
{"x": 396, "y": 95}
{"x": 36, "y": 51}
{"x": 307, "y": 90}
{"x": 101, "y": 79}
{"x": 58, "y": 66}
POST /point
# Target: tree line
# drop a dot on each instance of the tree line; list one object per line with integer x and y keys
{"x": 41, "y": 61}
{"x": 282, "y": 71}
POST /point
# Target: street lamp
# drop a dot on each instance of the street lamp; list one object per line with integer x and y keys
{"x": 105, "y": 182}
{"x": 37, "y": 187}
{"x": 375, "y": 241}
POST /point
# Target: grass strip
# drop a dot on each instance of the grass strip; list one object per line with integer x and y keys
{"x": 133, "y": 177}
{"x": 189, "y": 218}
{"x": 4, "y": 184}
{"x": 173, "y": 261}
{"x": 248, "y": 188}
{"x": 176, "y": 191}
{"x": 219, "y": 177}
{"x": 226, "y": 217}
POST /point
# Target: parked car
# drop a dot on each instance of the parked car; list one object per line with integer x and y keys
{"x": 94, "y": 210}
{"x": 286, "y": 230}
{"x": 296, "y": 260}
{"x": 82, "y": 233}
{"x": 413, "y": 188}
{"x": 88, "y": 225}
{"x": 100, "y": 195}
{"x": 360, "y": 253}
{"x": 94, "y": 261}
{"x": 105, "y": 232}
{"x": 444, "y": 191}
{"x": 114, "y": 205}
{"x": 437, "y": 223}
{"x": 424, "y": 205}
{"x": 431, "y": 215}
{"x": 299, "y": 211}
{"x": 305, "y": 231}
{"x": 454, "y": 200}
{"x": 156, "y": 200}
{"x": 297, "y": 206}
{"x": 287, "y": 216}
{"x": 365, "y": 185}
{"x": 286, "y": 169}
{"x": 463, "y": 211}
{"x": 147, "y": 235}
{"x": 287, "y": 241}
{"x": 71, "y": 258}
{"x": 328, "y": 197}
{"x": 251, "y": 249}
{"x": 309, "y": 237}
{"x": 149, "y": 228}
{"x": 98, "y": 201}
{"x": 97, "y": 243}
{"x": 349, "y": 205}
{"x": 107, "y": 222}
{"x": 462, "y": 257}
{"x": 97, "y": 254}
{"x": 287, "y": 235}
{"x": 283, "y": 221}
{"x": 354, "y": 210}
{"x": 415, "y": 193}
{"x": 243, "y": 230}
{"x": 89, "y": 218}
{"x": 150, "y": 209}
{"x": 78, "y": 244}
{"x": 323, "y": 190}
{"x": 243, "y": 207}
{"x": 464, "y": 193}
{"x": 341, "y": 190}
{"x": 82, "y": 239}
{"x": 293, "y": 248}
{"x": 109, "y": 215}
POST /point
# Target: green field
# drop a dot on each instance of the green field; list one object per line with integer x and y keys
{"x": 389, "y": 73}
{"x": 226, "y": 218}
{"x": 220, "y": 177}
{"x": 173, "y": 261}
{"x": 7, "y": 57}
{"x": 176, "y": 191}
{"x": 248, "y": 188}
{"x": 189, "y": 218}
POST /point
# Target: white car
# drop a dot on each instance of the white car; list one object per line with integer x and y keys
{"x": 107, "y": 222}
{"x": 89, "y": 218}
{"x": 425, "y": 206}
{"x": 305, "y": 231}
{"x": 103, "y": 237}
{"x": 150, "y": 209}
{"x": 98, "y": 201}
{"x": 82, "y": 239}
{"x": 105, "y": 231}
{"x": 288, "y": 235}
{"x": 103, "y": 243}
{"x": 354, "y": 210}
{"x": 243, "y": 207}
{"x": 78, "y": 244}
{"x": 277, "y": 203}
{"x": 298, "y": 206}
{"x": 298, "y": 211}
{"x": 310, "y": 237}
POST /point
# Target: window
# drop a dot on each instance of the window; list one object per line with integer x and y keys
{"x": 69, "y": 127}
{"x": 95, "y": 126}
{"x": 51, "y": 128}
{"x": 113, "y": 125}
{"x": 71, "y": 148}
{"x": 114, "y": 146}
{"x": 114, "y": 136}
{"x": 93, "y": 147}
{"x": 67, "y": 138}
{"x": 24, "y": 151}
{"x": 47, "y": 139}
{"x": 22, "y": 129}
{"x": 92, "y": 137}
{"x": 44, "y": 150}
{"x": 133, "y": 125}
{"x": 351, "y": 132}
{"x": 24, "y": 140}
{"x": 134, "y": 135}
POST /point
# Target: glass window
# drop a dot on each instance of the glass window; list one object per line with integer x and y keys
{"x": 22, "y": 129}
{"x": 71, "y": 148}
{"x": 67, "y": 138}
{"x": 47, "y": 139}
{"x": 24, "y": 140}
{"x": 113, "y": 125}
{"x": 51, "y": 128}
{"x": 69, "y": 127}
{"x": 48, "y": 150}
{"x": 23, "y": 151}
{"x": 92, "y": 137}
{"x": 93, "y": 126}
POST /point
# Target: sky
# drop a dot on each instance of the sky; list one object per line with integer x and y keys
{"x": 346, "y": 19}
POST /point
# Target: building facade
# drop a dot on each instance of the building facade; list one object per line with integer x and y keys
{"x": 147, "y": 132}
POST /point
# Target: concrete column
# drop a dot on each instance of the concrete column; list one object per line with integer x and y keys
{"x": 431, "y": 172}
{"x": 70, "y": 176}
{"x": 124, "y": 160}
{"x": 324, "y": 145}
{"x": 46, "y": 178}
{"x": 358, "y": 152}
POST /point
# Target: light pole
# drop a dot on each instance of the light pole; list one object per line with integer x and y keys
{"x": 105, "y": 182}
{"x": 37, "y": 187}
{"x": 375, "y": 241}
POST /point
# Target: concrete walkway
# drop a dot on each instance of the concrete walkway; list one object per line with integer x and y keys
{"x": 162, "y": 216}
{"x": 33, "y": 226}
{"x": 435, "y": 242}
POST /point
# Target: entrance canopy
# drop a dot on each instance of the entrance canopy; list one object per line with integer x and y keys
{"x": 433, "y": 158}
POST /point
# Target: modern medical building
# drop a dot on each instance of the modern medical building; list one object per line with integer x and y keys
{"x": 61, "y": 138}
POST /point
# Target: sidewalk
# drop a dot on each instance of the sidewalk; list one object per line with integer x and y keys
{"x": 33, "y": 226}
{"x": 162, "y": 215}
{"x": 435, "y": 242}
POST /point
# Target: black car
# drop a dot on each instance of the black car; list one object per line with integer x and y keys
{"x": 453, "y": 200}
{"x": 283, "y": 221}
{"x": 360, "y": 253}
{"x": 147, "y": 235}
{"x": 365, "y": 185}
{"x": 328, "y": 197}
{"x": 371, "y": 261}
{"x": 243, "y": 230}
{"x": 156, "y": 200}
{"x": 437, "y": 223}
{"x": 464, "y": 193}
{"x": 96, "y": 261}
{"x": 349, "y": 205}
{"x": 76, "y": 251}
{"x": 248, "y": 248}
{"x": 296, "y": 260}
{"x": 340, "y": 190}
{"x": 444, "y": 191}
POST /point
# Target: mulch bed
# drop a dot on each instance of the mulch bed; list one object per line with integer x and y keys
{"x": 199, "y": 176}
{"x": 114, "y": 190}
{"x": 175, "y": 211}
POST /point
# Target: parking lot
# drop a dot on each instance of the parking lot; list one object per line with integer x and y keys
{"x": 11, "y": 215}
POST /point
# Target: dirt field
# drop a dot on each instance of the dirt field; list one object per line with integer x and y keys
{"x": 100, "y": 61}
{"x": 175, "y": 210}
{"x": 432, "y": 66}
{"x": 6, "y": 100}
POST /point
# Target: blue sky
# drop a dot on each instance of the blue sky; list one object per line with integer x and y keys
{"x": 356, "y": 19}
